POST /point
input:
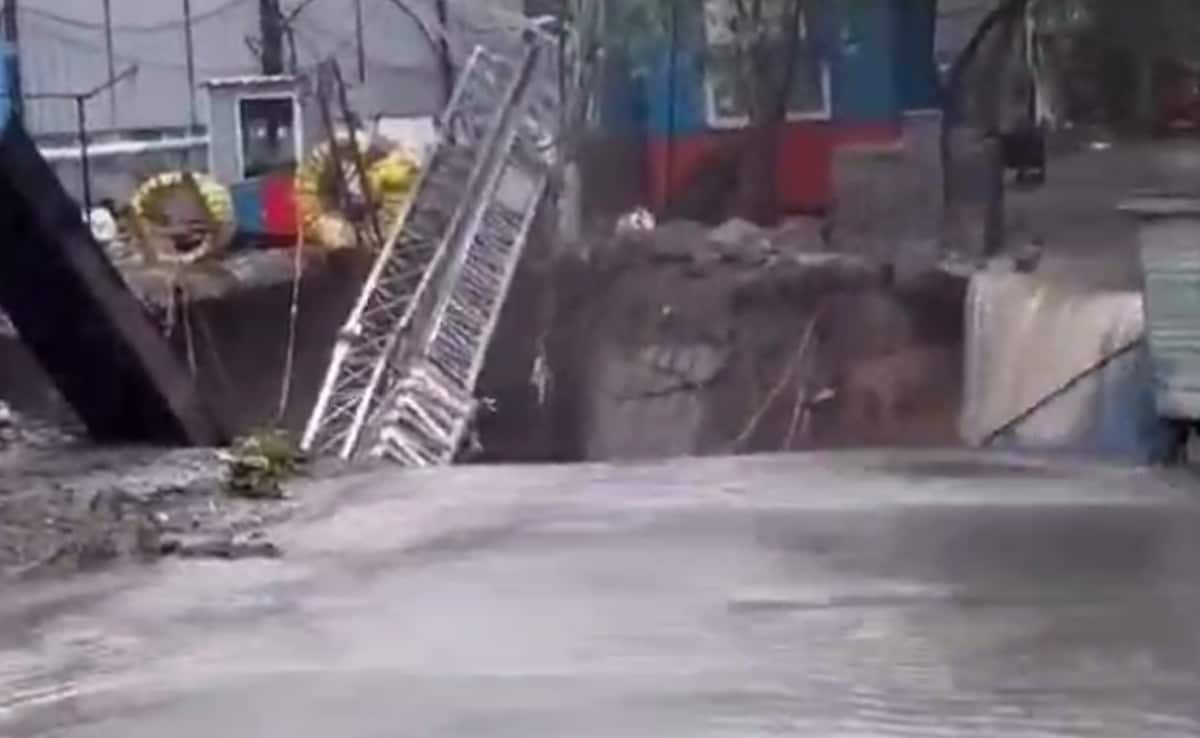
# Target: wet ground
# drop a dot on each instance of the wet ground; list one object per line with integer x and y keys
{"x": 67, "y": 506}
{"x": 911, "y": 594}
{"x": 1075, "y": 215}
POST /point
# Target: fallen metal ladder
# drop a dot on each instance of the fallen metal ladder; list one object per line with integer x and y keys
{"x": 429, "y": 411}
{"x": 358, "y": 371}
{"x": 482, "y": 186}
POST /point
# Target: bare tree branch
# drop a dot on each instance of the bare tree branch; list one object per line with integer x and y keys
{"x": 1007, "y": 12}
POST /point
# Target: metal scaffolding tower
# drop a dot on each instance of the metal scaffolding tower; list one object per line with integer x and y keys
{"x": 403, "y": 373}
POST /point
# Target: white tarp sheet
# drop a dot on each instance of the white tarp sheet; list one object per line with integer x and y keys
{"x": 1027, "y": 338}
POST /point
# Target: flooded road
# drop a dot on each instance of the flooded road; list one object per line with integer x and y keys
{"x": 835, "y": 595}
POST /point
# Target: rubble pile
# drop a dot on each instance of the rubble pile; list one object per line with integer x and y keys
{"x": 18, "y": 432}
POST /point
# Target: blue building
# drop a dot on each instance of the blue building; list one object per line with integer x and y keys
{"x": 861, "y": 66}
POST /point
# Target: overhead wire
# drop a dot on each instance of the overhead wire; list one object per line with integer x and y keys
{"x": 173, "y": 24}
{"x": 478, "y": 19}
{"x": 66, "y": 38}
{"x": 308, "y": 29}
{"x": 47, "y": 29}
{"x": 143, "y": 62}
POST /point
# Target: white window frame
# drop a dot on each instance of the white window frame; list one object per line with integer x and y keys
{"x": 297, "y": 127}
{"x": 715, "y": 119}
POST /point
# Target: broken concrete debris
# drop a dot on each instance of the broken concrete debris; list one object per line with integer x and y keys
{"x": 734, "y": 232}
{"x": 639, "y": 220}
{"x": 24, "y": 433}
{"x": 228, "y": 546}
{"x": 61, "y": 514}
{"x": 735, "y": 242}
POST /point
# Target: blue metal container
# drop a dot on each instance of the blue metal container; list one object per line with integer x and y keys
{"x": 8, "y": 78}
{"x": 248, "y": 206}
{"x": 1170, "y": 255}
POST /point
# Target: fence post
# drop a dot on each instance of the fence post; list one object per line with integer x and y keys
{"x": 111, "y": 63}
{"x": 190, "y": 50}
{"x": 10, "y": 59}
{"x": 84, "y": 165}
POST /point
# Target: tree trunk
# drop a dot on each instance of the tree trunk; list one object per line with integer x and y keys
{"x": 994, "y": 231}
{"x": 1144, "y": 92}
{"x": 757, "y": 196}
{"x": 271, "y": 26}
{"x": 1006, "y": 14}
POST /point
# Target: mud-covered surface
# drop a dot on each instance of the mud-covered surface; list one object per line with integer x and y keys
{"x": 66, "y": 507}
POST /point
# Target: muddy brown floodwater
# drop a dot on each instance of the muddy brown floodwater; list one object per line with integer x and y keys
{"x": 907, "y": 594}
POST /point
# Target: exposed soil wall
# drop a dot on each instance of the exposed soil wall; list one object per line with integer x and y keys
{"x": 239, "y": 344}
{"x": 516, "y": 427}
{"x": 674, "y": 343}
{"x": 685, "y": 340}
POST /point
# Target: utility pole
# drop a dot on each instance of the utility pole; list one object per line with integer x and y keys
{"x": 189, "y": 47}
{"x": 361, "y": 45}
{"x": 81, "y": 100}
{"x": 111, "y": 63}
{"x": 271, "y": 26}
{"x": 447, "y": 65}
{"x": 11, "y": 31}
{"x": 12, "y": 34}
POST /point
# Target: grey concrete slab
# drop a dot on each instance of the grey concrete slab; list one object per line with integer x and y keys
{"x": 923, "y": 594}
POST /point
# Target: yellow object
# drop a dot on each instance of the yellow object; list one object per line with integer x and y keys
{"x": 393, "y": 175}
{"x": 182, "y": 217}
{"x": 390, "y": 177}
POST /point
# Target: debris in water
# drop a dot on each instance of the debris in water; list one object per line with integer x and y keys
{"x": 258, "y": 464}
{"x": 640, "y": 220}
{"x": 227, "y": 546}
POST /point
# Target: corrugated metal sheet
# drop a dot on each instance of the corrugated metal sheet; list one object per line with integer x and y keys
{"x": 1170, "y": 250}
{"x": 63, "y": 51}
{"x": 6, "y": 78}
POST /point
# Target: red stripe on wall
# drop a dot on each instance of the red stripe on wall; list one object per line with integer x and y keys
{"x": 866, "y": 135}
{"x": 804, "y": 173}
